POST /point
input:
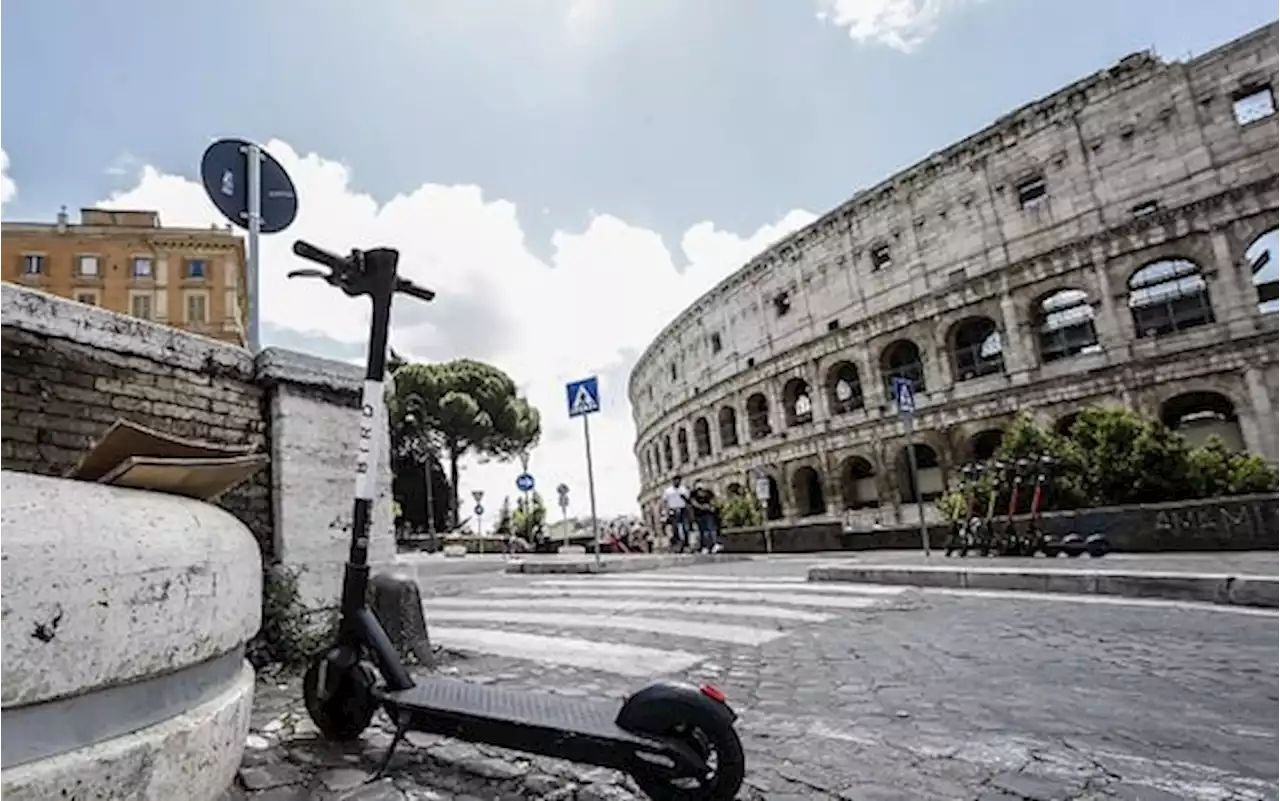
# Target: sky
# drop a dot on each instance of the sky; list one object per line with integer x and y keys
{"x": 567, "y": 174}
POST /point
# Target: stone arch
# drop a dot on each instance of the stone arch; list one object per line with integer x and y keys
{"x": 797, "y": 403}
{"x": 1198, "y": 415}
{"x": 1263, "y": 258}
{"x": 682, "y": 444}
{"x": 668, "y": 461}
{"x": 1167, "y": 296}
{"x": 806, "y": 489}
{"x": 977, "y": 348}
{"x": 1063, "y": 425}
{"x": 902, "y": 359}
{"x": 844, "y": 388}
{"x": 728, "y": 420}
{"x": 702, "y": 437}
{"x": 758, "y": 425}
{"x": 930, "y": 469}
{"x": 858, "y": 487}
{"x": 984, "y": 444}
{"x": 1064, "y": 320}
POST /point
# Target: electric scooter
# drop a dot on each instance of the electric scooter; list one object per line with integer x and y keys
{"x": 962, "y": 538}
{"x": 1010, "y": 542}
{"x": 676, "y": 740}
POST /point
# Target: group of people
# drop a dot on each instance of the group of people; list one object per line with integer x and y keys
{"x": 691, "y": 517}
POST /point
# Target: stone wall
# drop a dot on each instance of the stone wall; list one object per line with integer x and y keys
{"x": 70, "y": 371}
{"x": 1242, "y": 523}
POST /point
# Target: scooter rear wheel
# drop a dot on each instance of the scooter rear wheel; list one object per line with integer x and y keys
{"x": 718, "y": 743}
{"x": 346, "y": 713}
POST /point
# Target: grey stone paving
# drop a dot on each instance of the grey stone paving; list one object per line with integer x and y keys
{"x": 1261, "y": 563}
{"x": 926, "y": 697}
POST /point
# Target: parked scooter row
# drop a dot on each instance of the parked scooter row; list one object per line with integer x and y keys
{"x": 987, "y": 537}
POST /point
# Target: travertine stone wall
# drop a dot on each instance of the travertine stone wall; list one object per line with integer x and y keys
{"x": 1143, "y": 163}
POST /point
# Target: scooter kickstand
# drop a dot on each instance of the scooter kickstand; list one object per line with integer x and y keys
{"x": 402, "y": 727}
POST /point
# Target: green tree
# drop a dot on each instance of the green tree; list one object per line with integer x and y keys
{"x": 740, "y": 510}
{"x": 473, "y": 406}
{"x": 1026, "y": 440}
{"x": 528, "y": 519}
{"x": 1128, "y": 458}
{"x": 1214, "y": 470}
{"x": 504, "y": 518}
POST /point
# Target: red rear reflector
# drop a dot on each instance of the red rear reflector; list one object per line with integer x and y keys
{"x": 713, "y": 693}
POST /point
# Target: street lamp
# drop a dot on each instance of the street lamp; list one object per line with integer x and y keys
{"x": 421, "y": 444}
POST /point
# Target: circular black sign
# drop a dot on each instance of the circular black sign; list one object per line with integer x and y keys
{"x": 224, "y": 169}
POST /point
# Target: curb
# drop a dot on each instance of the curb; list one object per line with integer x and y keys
{"x": 1215, "y": 588}
{"x": 626, "y": 564}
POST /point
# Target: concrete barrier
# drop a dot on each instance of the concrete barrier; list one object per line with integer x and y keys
{"x": 125, "y": 619}
{"x": 1215, "y": 588}
{"x": 621, "y": 564}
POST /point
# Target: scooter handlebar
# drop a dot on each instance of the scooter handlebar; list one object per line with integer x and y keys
{"x": 310, "y": 252}
{"x": 413, "y": 290}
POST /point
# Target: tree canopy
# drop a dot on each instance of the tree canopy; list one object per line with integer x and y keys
{"x": 471, "y": 406}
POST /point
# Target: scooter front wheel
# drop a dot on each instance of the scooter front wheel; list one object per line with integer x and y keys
{"x": 716, "y": 742}
{"x": 348, "y": 709}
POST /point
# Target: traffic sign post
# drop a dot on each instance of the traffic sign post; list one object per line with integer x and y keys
{"x": 563, "y": 500}
{"x": 524, "y": 483}
{"x": 253, "y": 191}
{"x": 479, "y": 510}
{"x": 904, "y": 398}
{"x": 763, "y": 494}
{"x": 584, "y": 401}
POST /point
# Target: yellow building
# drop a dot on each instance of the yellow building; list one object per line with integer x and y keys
{"x": 125, "y": 261}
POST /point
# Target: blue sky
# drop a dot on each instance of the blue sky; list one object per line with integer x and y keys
{"x": 654, "y": 136}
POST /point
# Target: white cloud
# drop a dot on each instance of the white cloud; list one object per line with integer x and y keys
{"x": 607, "y": 291}
{"x": 903, "y": 25}
{"x": 7, "y": 187}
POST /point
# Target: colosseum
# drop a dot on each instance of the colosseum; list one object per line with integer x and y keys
{"x": 1114, "y": 242}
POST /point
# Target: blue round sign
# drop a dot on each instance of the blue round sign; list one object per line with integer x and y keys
{"x": 524, "y": 482}
{"x": 224, "y": 169}
{"x": 479, "y": 510}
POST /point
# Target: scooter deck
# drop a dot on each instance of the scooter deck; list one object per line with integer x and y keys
{"x": 525, "y": 720}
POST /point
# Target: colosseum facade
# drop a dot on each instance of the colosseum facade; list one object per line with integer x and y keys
{"x": 1111, "y": 243}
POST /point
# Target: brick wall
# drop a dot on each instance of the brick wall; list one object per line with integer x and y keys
{"x": 70, "y": 372}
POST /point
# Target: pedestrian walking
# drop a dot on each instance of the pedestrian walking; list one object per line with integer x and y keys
{"x": 675, "y": 499}
{"x": 703, "y": 503}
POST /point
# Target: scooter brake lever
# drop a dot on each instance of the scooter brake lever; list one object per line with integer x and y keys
{"x": 309, "y": 272}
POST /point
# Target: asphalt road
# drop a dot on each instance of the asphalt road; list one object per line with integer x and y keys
{"x": 887, "y": 693}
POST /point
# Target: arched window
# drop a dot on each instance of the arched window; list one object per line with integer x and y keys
{"x": 844, "y": 389}
{"x": 902, "y": 360}
{"x": 758, "y": 416}
{"x": 728, "y": 427}
{"x": 984, "y": 444}
{"x": 702, "y": 436}
{"x": 667, "y": 461}
{"x": 1168, "y": 296}
{"x": 927, "y": 467}
{"x": 1200, "y": 415}
{"x": 977, "y": 348}
{"x": 806, "y": 488}
{"x": 1264, "y": 262}
{"x": 858, "y": 484}
{"x": 796, "y": 402}
{"x": 1066, "y": 325}
{"x": 682, "y": 445}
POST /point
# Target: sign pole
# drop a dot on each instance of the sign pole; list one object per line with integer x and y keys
{"x": 591, "y": 487}
{"x": 254, "y": 155}
{"x": 904, "y": 396}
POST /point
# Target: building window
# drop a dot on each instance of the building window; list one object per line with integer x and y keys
{"x": 1253, "y": 104}
{"x": 197, "y": 308}
{"x": 1031, "y": 193}
{"x": 1066, "y": 325}
{"x": 716, "y": 344}
{"x": 880, "y": 258}
{"x": 674, "y": 372}
{"x": 142, "y": 267}
{"x": 1169, "y": 296}
{"x": 197, "y": 269}
{"x": 1143, "y": 209}
{"x": 140, "y": 306}
{"x": 33, "y": 264}
{"x": 87, "y": 298}
{"x": 87, "y": 266}
{"x": 833, "y": 325}
{"x": 781, "y": 304}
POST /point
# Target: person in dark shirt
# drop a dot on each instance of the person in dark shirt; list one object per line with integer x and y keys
{"x": 703, "y": 502}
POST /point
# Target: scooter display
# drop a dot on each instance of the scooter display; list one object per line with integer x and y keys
{"x": 676, "y": 740}
{"x": 965, "y": 528}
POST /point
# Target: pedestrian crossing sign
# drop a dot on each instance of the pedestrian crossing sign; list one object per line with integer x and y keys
{"x": 583, "y": 396}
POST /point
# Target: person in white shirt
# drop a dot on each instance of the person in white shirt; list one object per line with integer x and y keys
{"x": 676, "y": 500}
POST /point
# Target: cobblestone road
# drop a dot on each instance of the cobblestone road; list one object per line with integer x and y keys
{"x": 852, "y": 692}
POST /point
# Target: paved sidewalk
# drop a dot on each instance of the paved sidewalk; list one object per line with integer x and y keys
{"x": 1236, "y": 579}
{"x": 616, "y": 563}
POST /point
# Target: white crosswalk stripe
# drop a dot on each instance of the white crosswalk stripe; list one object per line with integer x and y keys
{"x": 528, "y": 622}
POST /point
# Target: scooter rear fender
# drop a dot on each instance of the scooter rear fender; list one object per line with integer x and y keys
{"x": 656, "y": 709}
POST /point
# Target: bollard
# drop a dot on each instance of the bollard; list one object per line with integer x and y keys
{"x": 397, "y": 603}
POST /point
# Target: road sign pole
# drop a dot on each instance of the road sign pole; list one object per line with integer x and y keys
{"x": 915, "y": 480}
{"x": 254, "y": 156}
{"x": 591, "y": 487}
